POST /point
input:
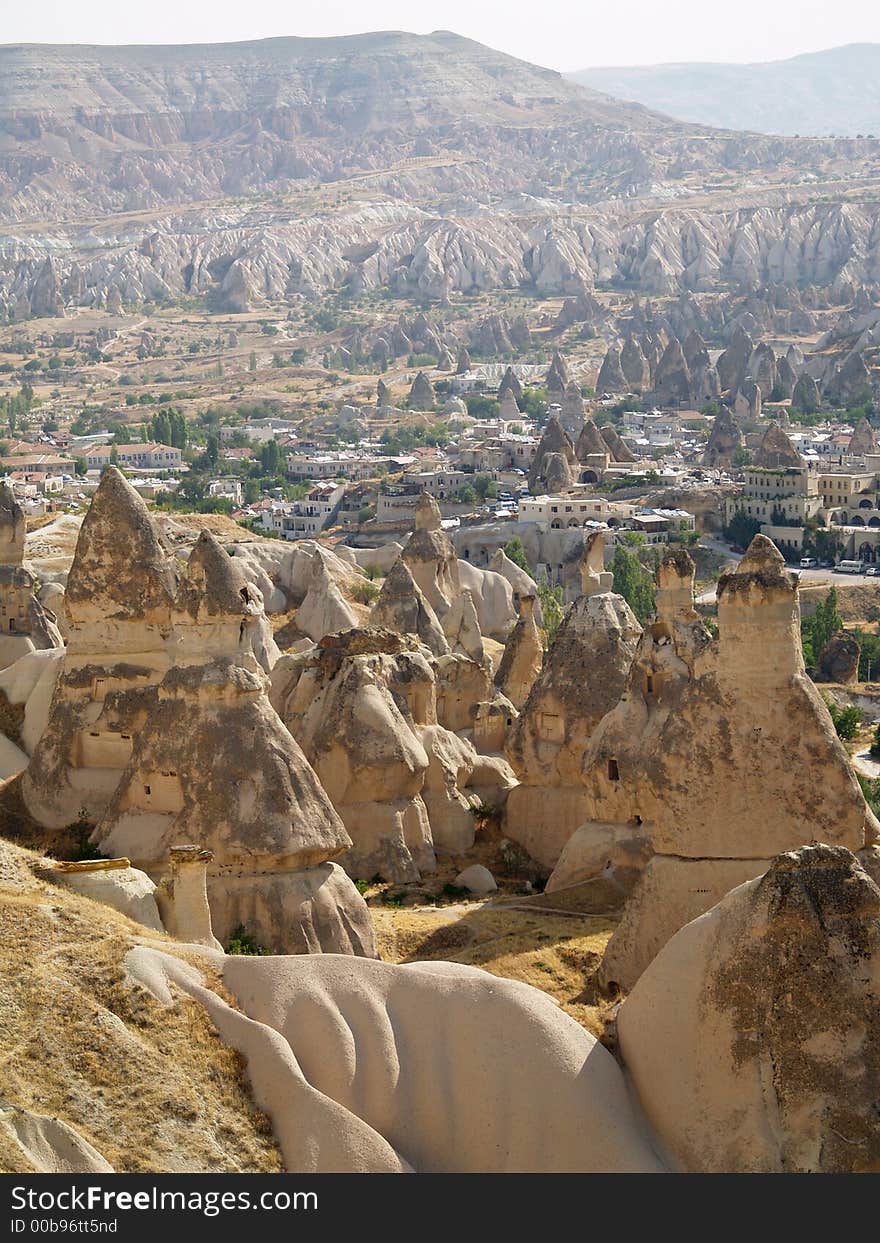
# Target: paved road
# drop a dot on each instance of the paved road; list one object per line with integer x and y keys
{"x": 807, "y": 577}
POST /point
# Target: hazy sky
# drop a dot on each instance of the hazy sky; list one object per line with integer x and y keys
{"x": 563, "y": 34}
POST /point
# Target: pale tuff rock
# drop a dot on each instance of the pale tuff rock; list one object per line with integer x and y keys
{"x": 25, "y": 626}
{"x": 182, "y": 896}
{"x": 573, "y": 409}
{"x": 594, "y": 577}
{"x": 772, "y": 1079}
{"x": 610, "y": 854}
{"x": 451, "y": 762}
{"x": 523, "y": 656}
{"x": 557, "y": 375}
{"x": 510, "y": 384}
{"x": 493, "y": 599}
{"x": 129, "y": 621}
{"x": 113, "y": 882}
{"x": 260, "y": 808}
{"x": 521, "y": 582}
{"x": 672, "y": 379}
{"x": 732, "y": 364}
{"x": 463, "y": 361}
{"x": 557, "y": 474}
{"x": 383, "y": 394}
{"x": 401, "y": 606}
{"x": 863, "y": 439}
{"x": 304, "y": 1023}
{"x": 421, "y": 394}
{"x": 431, "y": 559}
{"x": 634, "y": 366}
{"x": 591, "y": 448}
{"x": 762, "y": 368}
{"x": 554, "y": 441}
{"x": 476, "y": 879}
{"x": 12, "y": 528}
{"x": 747, "y": 402}
{"x": 619, "y": 450}
{"x": 49, "y": 1145}
{"x": 743, "y": 703}
{"x": 462, "y": 687}
{"x": 31, "y": 681}
{"x": 508, "y": 408}
{"x": 462, "y": 629}
{"x": 611, "y": 378}
{"x": 849, "y": 381}
{"x": 583, "y": 677}
{"x": 806, "y": 395}
{"x": 776, "y": 450}
{"x": 324, "y": 609}
{"x": 724, "y": 440}
{"x": 355, "y": 705}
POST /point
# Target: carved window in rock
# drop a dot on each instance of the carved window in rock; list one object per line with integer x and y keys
{"x": 613, "y": 770}
{"x": 551, "y": 727}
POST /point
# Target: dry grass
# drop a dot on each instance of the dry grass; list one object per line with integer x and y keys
{"x": 556, "y": 953}
{"x": 152, "y": 1088}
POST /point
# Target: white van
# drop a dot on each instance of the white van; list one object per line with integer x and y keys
{"x": 809, "y": 563}
{"x": 850, "y": 567}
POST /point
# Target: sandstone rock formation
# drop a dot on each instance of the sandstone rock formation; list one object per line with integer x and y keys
{"x": 745, "y": 701}
{"x": 776, "y": 450}
{"x": 25, "y": 626}
{"x": 724, "y": 440}
{"x": 128, "y": 622}
{"x": 619, "y": 450}
{"x": 611, "y": 378}
{"x": 431, "y": 559}
{"x": 583, "y": 676}
{"x": 765, "y": 1060}
{"x": 355, "y": 704}
{"x": 421, "y": 393}
{"x": 839, "y": 659}
{"x": 462, "y": 629}
{"x": 523, "y": 656}
{"x": 863, "y": 439}
{"x": 554, "y": 442}
{"x": 401, "y": 606}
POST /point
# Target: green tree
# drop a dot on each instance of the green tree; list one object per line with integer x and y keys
{"x": 252, "y": 361}
{"x": 846, "y": 721}
{"x": 212, "y": 449}
{"x": 270, "y": 458}
{"x": 515, "y": 552}
{"x": 633, "y": 582}
{"x": 741, "y": 529}
{"x": 80, "y": 466}
{"x": 466, "y": 495}
{"x": 817, "y": 629}
{"x": 552, "y": 608}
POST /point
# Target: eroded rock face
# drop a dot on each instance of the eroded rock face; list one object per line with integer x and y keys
{"x": 582, "y": 679}
{"x": 430, "y": 558}
{"x": 25, "y": 625}
{"x": 401, "y": 606}
{"x": 355, "y": 704}
{"x": 839, "y": 659}
{"x": 523, "y": 656}
{"x": 863, "y": 439}
{"x": 724, "y": 440}
{"x": 740, "y": 707}
{"x": 775, "y": 1077}
{"x": 554, "y": 442}
{"x": 776, "y": 450}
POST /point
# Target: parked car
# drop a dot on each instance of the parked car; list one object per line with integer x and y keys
{"x": 826, "y": 565}
{"x": 872, "y": 571}
{"x": 809, "y": 563}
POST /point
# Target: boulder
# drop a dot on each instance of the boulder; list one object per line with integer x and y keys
{"x": 477, "y": 880}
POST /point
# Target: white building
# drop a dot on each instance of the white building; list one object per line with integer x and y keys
{"x": 150, "y": 456}
{"x": 304, "y": 519}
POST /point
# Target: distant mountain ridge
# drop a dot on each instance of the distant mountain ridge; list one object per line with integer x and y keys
{"x": 835, "y": 92}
